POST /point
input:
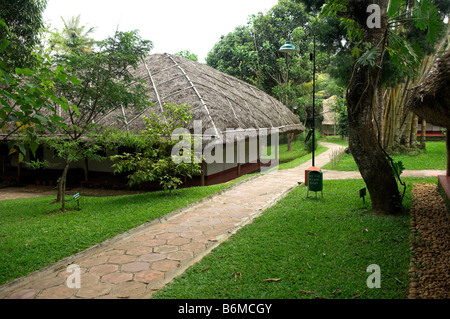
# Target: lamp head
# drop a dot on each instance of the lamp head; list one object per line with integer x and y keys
{"x": 288, "y": 47}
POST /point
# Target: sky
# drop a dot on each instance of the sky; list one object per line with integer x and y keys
{"x": 172, "y": 25}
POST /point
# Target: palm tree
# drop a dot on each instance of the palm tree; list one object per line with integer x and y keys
{"x": 73, "y": 37}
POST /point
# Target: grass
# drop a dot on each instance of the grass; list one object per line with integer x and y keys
{"x": 307, "y": 248}
{"x": 35, "y": 233}
{"x": 434, "y": 157}
{"x": 297, "y": 156}
{"x": 319, "y": 246}
{"x": 298, "y": 150}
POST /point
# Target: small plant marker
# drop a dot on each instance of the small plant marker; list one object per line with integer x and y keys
{"x": 77, "y": 197}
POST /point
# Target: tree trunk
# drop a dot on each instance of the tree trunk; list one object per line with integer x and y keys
{"x": 62, "y": 186}
{"x": 361, "y": 96}
{"x": 447, "y": 142}
{"x": 290, "y": 137}
{"x": 414, "y": 126}
{"x": 423, "y": 134}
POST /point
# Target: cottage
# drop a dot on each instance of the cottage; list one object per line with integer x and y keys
{"x": 219, "y": 102}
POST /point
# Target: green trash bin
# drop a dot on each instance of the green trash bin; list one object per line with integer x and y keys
{"x": 315, "y": 182}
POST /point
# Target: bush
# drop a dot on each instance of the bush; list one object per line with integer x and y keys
{"x": 309, "y": 144}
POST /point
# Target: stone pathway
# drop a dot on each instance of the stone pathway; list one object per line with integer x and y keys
{"x": 140, "y": 262}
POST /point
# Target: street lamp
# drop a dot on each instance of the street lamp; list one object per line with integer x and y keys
{"x": 288, "y": 47}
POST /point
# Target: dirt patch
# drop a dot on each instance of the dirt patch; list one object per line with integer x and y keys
{"x": 31, "y": 191}
{"x": 430, "y": 245}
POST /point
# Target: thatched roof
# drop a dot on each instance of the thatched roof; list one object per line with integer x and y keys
{"x": 329, "y": 116}
{"x": 431, "y": 99}
{"x": 219, "y": 100}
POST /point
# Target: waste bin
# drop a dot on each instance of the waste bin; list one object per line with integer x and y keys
{"x": 315, "y": 182}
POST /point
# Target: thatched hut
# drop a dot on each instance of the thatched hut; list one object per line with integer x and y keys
{"x": 329, "y": 122}
{"x": 218, "y": 100}
{"x": 431, "y": 101}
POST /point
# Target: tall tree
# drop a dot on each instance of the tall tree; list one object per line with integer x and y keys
{"x": 27, "y": 99}
{"x": 100, "y": 81}
{"x": 362, "y": 89}
{"x": 408, "y": 58}
{"x": 24, "y": 20}
{"x": 73, "y": 37}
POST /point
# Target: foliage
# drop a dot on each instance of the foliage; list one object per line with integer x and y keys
{"x": 251, "y": 53}
{"x": 38, "y": 164}
{"x": 309, "y": 144}
{"x": 236, "y": 55}
{"x": 28, "y": 101}
{"x": 340, "y": 108}
{"x": 99, "y": 81}
{"x": 398, "y": 167}
{"x": 153, "y": 161}
{"x": 72, "y": 38}
{"x": 24, "y": 19}
{"x": 72, "y": 151}
{"x": 415, "y": 26}
{"x": 188, "y": 55}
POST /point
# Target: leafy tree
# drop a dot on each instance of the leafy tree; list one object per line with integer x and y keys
{"x": 153, "y": 161}
{"x": 28, "y": 101}
{"x": 235, "y": 54}
{"x": 374, "y": 43}
{"x": 71, "y": 151}
{"x": 188, "y": 55}
{"x": 24, "y": 20}
{"x": 73, "y": 37}
{"x": 100, "y": 81}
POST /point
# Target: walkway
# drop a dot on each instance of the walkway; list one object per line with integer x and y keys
{"x": 140, "y": 262}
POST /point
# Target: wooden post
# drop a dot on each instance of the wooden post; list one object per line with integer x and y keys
{"x": 447, "y": 142}
{"x": 423, "y": 134}
{"x": 203, "y": 173}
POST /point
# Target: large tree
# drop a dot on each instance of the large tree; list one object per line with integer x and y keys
{"x": 73, "y": 37}
{"x": 100, "y": 81}
{"x": 412, "y": 50}
{"x": 27, "y": 100}
{"x": 24, "y": 21}
{"x": 374, "y": 30}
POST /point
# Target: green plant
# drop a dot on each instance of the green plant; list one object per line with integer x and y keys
{"x": 309, "y": 143}
{"x": 38, "y": 164}
{"x": 153, "y": 162}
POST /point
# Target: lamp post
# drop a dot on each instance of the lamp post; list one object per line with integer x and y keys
{"x": 289, "y": 47}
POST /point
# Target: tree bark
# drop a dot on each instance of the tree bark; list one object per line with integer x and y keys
{"x": 361, "y": 97}
{"x": 62, "y": 187}
{"x": 290, "y": 140}
{"x": 447, "y": 142}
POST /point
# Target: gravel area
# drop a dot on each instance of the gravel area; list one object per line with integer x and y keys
{"x": 430, "y": 245}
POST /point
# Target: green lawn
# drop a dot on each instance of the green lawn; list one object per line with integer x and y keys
{"x": 320, "y": 244}
{"x": 307, "y": 248}
{"x": 434, "y": 157}
{"x": 297, "y": 156}
{"x": 35, "y": 233}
